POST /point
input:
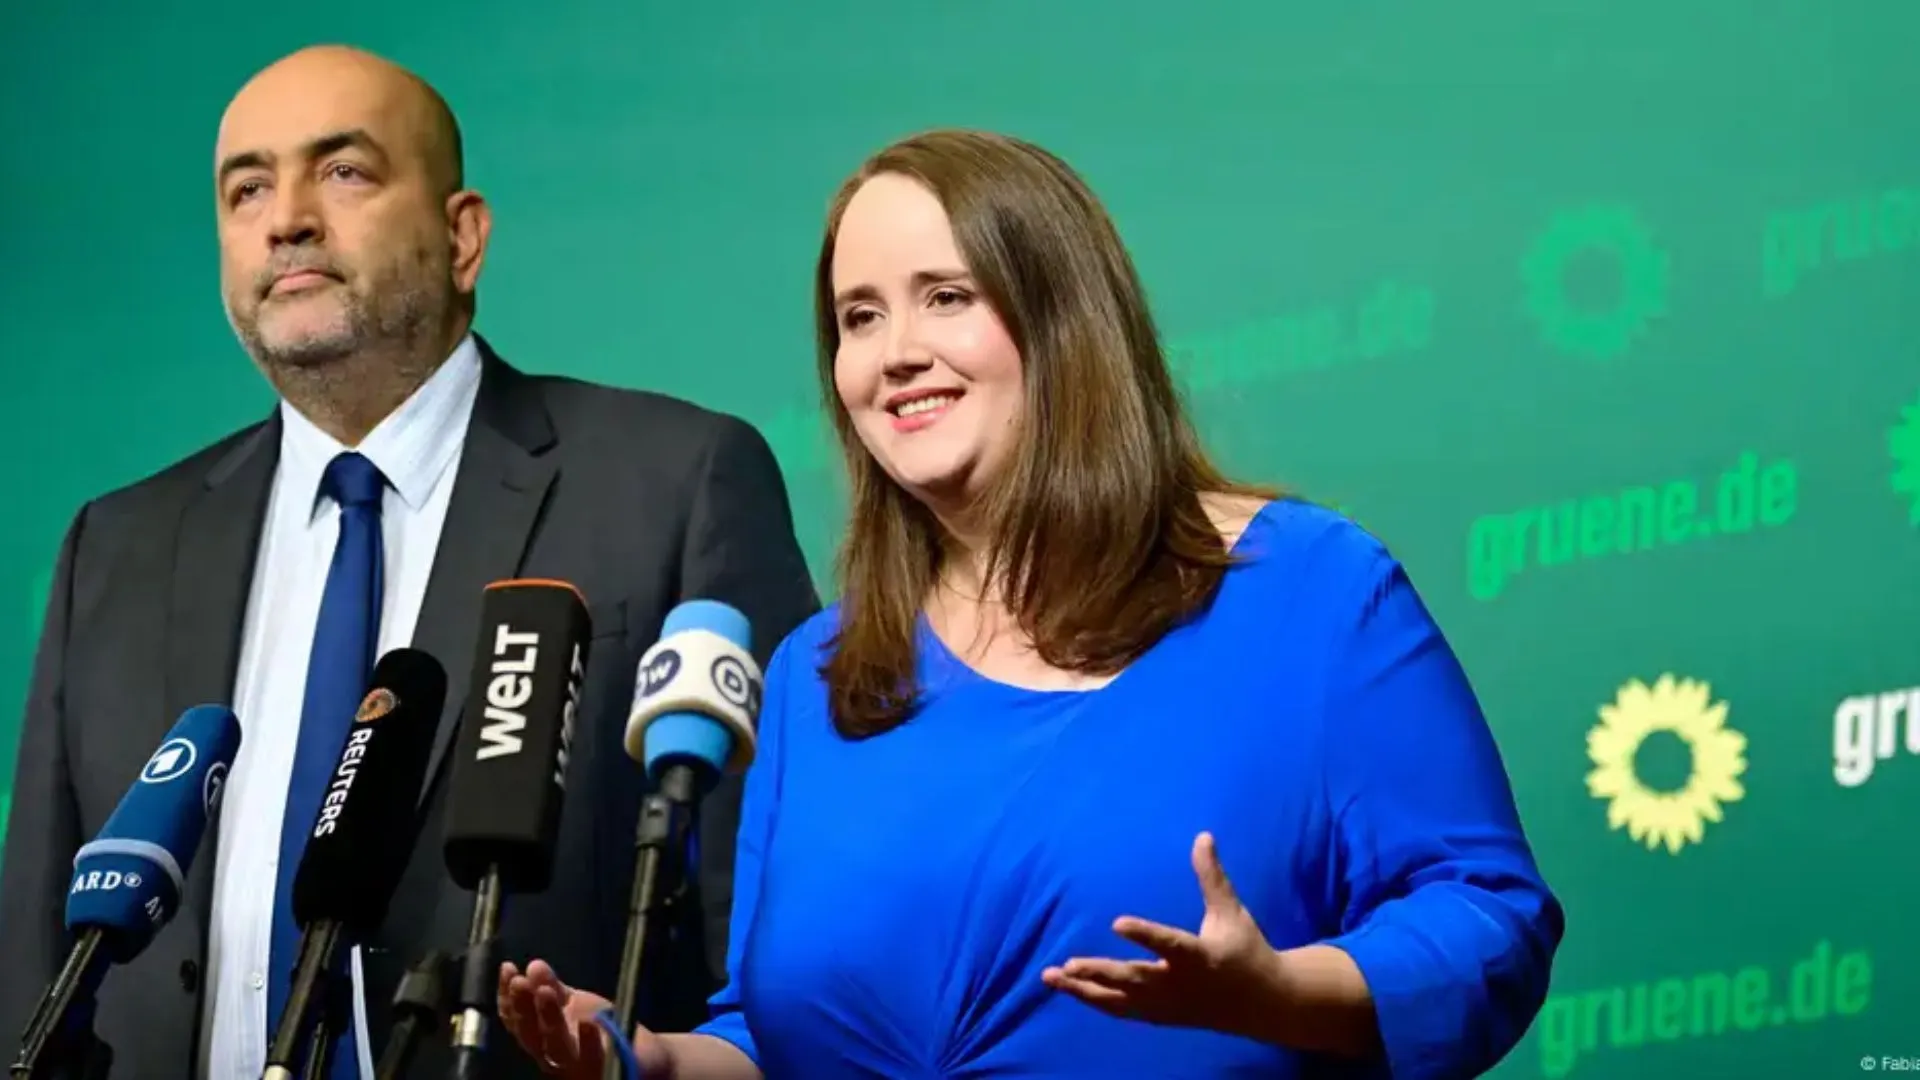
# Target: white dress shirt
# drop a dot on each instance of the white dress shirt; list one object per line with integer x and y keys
{"x": 417, "y": 448}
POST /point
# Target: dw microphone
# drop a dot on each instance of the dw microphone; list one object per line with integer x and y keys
{"x": 127, "y": 882}
{"x": 696, "y": 697}
{"x": 358, "y": 850}
{"x": 509, "y": 775}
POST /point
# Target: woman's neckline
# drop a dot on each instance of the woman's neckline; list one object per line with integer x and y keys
{"x": 948, "y": 659}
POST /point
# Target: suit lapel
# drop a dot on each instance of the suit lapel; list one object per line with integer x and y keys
{"x": 213, "y": 558}
{"x": 498, "y": 493}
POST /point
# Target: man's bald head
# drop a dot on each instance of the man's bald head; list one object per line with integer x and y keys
{"x": 416, "y": 112}
{"x": 345, "y": 226}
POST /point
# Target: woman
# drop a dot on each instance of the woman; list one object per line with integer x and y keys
{"x": 1073, "y": 665}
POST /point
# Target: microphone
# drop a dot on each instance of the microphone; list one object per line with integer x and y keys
{"x": 358, "y": 850}
{"x": 127, "y": 882}
{"x": 509, "y": 775}
{"x": 696, "y": 698}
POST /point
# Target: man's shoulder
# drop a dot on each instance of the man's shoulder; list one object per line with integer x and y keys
{"x": 810, "y": 643}
{"x": 640, "y": 424}
{"x": 575, "y": 402}
{"x": 167, "y": 488}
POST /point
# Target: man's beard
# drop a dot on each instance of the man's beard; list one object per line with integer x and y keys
{"x": 400, "y": 309}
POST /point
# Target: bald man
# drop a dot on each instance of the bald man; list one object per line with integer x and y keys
{"x": 405, "y": 459}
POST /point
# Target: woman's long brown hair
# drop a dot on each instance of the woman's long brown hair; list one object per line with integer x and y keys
{"x": 1099, "y": 541}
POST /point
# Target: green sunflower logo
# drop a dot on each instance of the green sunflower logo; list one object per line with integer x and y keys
{"x": 1616, "y": 233}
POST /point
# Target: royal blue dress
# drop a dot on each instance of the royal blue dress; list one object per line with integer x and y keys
{"x": 897, "y": 897}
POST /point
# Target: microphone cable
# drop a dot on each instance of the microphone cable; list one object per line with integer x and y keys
{"x": 622, "y": 1048}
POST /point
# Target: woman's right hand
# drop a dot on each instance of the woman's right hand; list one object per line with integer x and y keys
{"x": 555, "y": 1025}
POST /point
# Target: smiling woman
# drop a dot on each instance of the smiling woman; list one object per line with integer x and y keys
{"x": 1008, "y": 422}
{"x": 1075, "y": 674}
{"x": 920, "y": 349}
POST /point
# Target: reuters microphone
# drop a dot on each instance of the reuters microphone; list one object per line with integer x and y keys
{"x": 696, "y": 699}
{"x": 509, "y": 775}
{"x": 357, "y": 852}
{"x": 127, "y": 881}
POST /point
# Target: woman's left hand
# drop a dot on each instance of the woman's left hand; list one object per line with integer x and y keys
{"x": 1221, "y": 978}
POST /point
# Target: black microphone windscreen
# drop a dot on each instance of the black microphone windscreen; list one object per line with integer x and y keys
{"x": 510, "y": 757}
{"x": 364, "y": 836}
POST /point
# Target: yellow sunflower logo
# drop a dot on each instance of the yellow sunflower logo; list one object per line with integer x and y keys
{"x": 1684, "y": 708}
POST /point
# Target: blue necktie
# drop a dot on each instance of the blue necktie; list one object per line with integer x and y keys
{"x": 344, "y": 639}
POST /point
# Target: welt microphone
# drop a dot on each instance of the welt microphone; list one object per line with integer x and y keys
{"x": 358, "y": 850}
{"x": 127, "y": 883}
{"x": 696, "y": 697}
{"x": 509, "y": 774}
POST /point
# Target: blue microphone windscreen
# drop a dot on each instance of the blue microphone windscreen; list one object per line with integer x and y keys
{"x": 698, "y": 692}
{"x": 127, "y": 881}
{"x": 711, "y": 616}
{"x": 686, "y": 738}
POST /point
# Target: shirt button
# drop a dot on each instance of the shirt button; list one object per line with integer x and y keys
{"x": 259, "y": 981}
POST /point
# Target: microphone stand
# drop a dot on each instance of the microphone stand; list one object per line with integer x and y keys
{"x": 419, "y": 1006}
{"x": 335, "y": 1017}
{"x": 69, "y": 987}
{"x": 59, "y": 1041}
{"x": 660, "y": 841}
{"x": 479, "y": 984}
{"x": 311, "y": 980}
{"x": 81, "y": 1056}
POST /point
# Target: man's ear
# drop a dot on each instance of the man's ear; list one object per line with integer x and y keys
{"x": 469, "y": 224}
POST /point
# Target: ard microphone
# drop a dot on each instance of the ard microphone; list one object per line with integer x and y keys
{"x": 696, "y": 697}
{"x": 127, "y": 881}
{"x": 357, "y": 852}
{"x": 509, "y": 775}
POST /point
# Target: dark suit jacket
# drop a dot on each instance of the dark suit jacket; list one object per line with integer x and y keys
{"x": 641, "y": 500}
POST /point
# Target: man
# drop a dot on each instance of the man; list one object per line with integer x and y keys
{"x": 405, "y": 454}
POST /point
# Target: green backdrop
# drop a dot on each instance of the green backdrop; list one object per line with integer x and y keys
{"x": 1605, "y": 320}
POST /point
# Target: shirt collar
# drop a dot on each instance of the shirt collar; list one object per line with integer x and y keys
{"x": 412, "y": 447}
